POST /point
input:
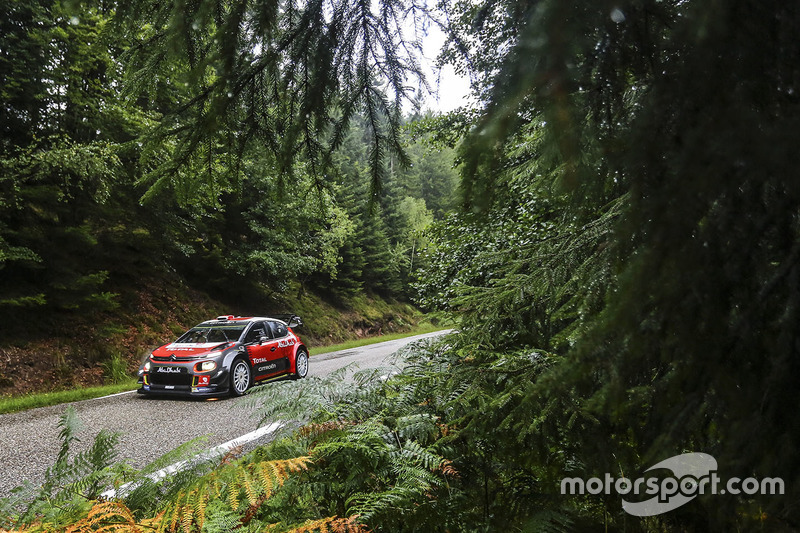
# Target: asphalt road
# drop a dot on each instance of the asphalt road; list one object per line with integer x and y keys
{"x": 150, "y": 427}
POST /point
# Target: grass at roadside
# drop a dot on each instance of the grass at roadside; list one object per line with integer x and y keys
{"x": 44, "y": 399}
{"x": 425, "y": 328}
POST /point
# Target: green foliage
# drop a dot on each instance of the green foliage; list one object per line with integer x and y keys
{"x": 373, "y": 445}
{"x": 447, "y": 444}
{"x": 71, "y": 482}
{"x": 521, "y": 274}
{"x": 225, "y": 492}
{"x": 285, "y": 77}
{"x": 116, "y": 369}
{"x": 61, "y": 156}
{"x": 625, "y": 270}
{"x": 664, "y": 280}
{"x": 277, "y": 237}
{"x": 86, "y": 215}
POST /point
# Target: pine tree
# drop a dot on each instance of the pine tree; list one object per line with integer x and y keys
{"x": 676, "y": 120}
{"x": 58, "y": 163}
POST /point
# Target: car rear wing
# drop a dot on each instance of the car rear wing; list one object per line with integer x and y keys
{"x": 291, "y": 320}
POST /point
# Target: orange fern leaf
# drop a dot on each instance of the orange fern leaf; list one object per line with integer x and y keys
{"x": 333, "y": 524}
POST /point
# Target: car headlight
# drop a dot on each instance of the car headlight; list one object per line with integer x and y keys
{"x": 207, "y": 366}
{"x": 147, "y": 366}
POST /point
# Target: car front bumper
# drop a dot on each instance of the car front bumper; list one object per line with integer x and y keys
{"x": 184, "y": 382}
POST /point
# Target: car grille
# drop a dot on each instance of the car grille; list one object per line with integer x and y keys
{"x": 172, "y": 378}
{"x": 171, "y": 360}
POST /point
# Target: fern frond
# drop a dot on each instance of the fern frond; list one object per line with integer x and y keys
{"x": 176, "y": 455}
{"x": 419, "y": 427}
{"x": 200, "y": 506}
{"x": 240, "y": 483}
{"x": 447, "y": 469}
{"x": 247, "y": 484}
{"x": 233, "y": 496}
{"x": 317, "y": 429}
{"x": 175, "y": 516}
{"x": 333, "y": 524}
{"x": 151, "y": 524}
{"x": 252, "y": 509}
{"x": 231, "y": 455}
{"x": 106, "y": 517}
{"x": 296, "y": 464}
{"x": 266, "y": 474}
{"x": 187, "y": 518}
{"x": 413, "y": 451}
{"x": 370, "y": 505}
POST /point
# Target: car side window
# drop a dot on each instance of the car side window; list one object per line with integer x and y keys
{"x": 278, "y": 330}
{"x": 256, "y": 332}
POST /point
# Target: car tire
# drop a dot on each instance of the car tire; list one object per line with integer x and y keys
{"x": 300, "y": 364}
{"x": 241, "y": 377}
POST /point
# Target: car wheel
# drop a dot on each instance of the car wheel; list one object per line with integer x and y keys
{"x": 301, "y": 364}
{"x": 241, "y": 377}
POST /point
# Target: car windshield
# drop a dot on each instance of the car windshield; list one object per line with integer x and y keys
{"x": 202, "y": 335}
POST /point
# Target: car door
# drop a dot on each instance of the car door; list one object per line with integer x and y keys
{"x": 286, "y": 342}
{"x": 260, "y": 348}
{"x": 264, "y": 351}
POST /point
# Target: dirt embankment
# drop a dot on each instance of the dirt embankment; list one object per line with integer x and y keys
{"x": 69, "y": 350}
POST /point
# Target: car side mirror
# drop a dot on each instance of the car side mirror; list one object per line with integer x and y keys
{"x": 295, "y": 321}
{"x": 262, "y": 339}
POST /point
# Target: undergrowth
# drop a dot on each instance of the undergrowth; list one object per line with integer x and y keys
{"x": 361, "y": 453}
{"x": 431, "y": 443}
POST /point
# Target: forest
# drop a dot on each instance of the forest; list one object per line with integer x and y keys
{"x": 111, "y": 233}
{"x": 613, "y": 227}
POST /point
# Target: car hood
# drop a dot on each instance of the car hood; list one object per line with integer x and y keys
{"x": 188, "y": 350}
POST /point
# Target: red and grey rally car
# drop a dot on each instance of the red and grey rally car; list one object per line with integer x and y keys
{"x": 226, "y": 355}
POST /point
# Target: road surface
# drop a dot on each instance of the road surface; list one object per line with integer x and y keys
{"x": 150, "y": 427}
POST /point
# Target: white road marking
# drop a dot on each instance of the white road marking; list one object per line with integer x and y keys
{"x": 112, "y": 395}
{"x": 216, "y": 451}
{"x": 385, "y": 377}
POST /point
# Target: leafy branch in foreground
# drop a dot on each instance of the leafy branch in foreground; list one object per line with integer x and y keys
{"x": 287, "y": 77}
